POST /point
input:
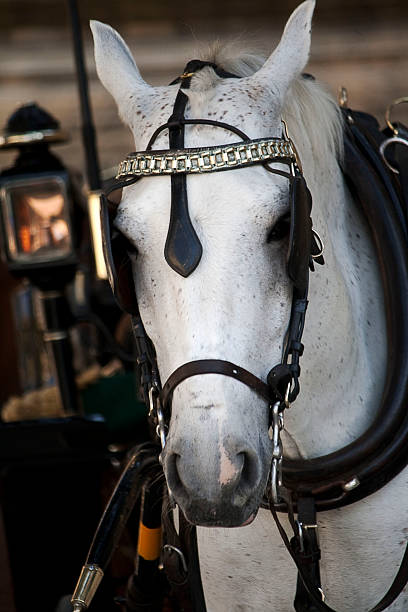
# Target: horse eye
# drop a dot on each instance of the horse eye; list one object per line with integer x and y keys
{"x": 280, "y": 229}
{"x": 122, "y": 243}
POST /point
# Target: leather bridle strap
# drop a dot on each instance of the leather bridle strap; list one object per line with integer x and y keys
{"x": 213, "y": 366}
{"x": 183, "y": 248}
{"x": 400, "y": 580}
{"x": 181, "y": 122}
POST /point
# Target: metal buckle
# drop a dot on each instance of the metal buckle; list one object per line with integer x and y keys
{"x": 301, "y": 527}
{"x": 171, "y": 548}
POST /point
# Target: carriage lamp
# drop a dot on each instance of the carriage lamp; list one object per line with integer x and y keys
{"x": 36, "y": 223}
{"x": 37, "y": 230}
{"x": 35, "y": 200}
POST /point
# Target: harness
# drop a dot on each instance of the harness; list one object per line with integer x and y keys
{"x": 302, "y": 486}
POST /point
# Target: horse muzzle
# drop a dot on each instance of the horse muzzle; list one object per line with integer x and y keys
{"x": 215, "y": 491}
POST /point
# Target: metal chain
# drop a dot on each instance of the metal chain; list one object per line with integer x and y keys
{"x": 156, "y": 414}
{"x": 277, "y": 452}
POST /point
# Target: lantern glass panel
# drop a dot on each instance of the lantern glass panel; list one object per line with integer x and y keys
{"x": 37, "y": 219}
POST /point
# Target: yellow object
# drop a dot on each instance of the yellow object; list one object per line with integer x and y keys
{"x": 94, "y": 212}
{"x": 149, "y": 542}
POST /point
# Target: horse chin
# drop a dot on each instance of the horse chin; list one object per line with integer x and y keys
{"x": 203, "y": 513}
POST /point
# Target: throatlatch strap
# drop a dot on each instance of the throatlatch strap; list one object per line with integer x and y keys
{"x": 400, "y": 580}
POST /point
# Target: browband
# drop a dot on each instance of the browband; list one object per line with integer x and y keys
{"x": 208, "y": 159}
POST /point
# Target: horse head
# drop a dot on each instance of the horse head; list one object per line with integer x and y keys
{"x": 235, "y": 306}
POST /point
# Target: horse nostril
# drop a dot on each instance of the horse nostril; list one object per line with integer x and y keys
{"x": 172, "y": 474}
{"x": 249, "y": 476}
{"x": 235, "y": 483}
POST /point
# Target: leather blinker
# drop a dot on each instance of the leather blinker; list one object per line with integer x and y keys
{"x": 118, "y": 264}
{"x": 300, "y": 237}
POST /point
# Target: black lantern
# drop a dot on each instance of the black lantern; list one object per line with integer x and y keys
{"x": 37, "y": 223}
{"x": 35, "y": 202}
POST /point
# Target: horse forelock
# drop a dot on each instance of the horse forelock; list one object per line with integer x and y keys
{"x": 310, "y": 110}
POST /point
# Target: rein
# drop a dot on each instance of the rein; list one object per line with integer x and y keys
{"x": 379, "y": 454}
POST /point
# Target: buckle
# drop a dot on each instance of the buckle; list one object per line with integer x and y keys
{"x": 302, "y": 528}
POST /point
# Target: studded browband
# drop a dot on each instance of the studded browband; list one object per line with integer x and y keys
{"x": 207, "y": 159}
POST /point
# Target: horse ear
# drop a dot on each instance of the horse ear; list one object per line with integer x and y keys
{"x": 116, "y": 68}
{"x": 291, "y": 55}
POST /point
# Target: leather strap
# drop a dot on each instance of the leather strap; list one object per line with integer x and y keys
{"x": 312, "y": 589}
{"x": 306, "y": 548}
{"x": 183, "y": 248}
{"x": 213, "y": 366}
{"x": 180, "y": 122}
{"x": 181, "y": 562}
{"x": 380, "y": 453}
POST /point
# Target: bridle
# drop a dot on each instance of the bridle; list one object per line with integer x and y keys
{"x": 183, "y": 249}
{"x": 350, "y": 473}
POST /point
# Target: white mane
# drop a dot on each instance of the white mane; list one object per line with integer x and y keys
{"x": 309, "y": 106}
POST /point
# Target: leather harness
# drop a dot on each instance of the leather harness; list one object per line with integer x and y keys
{"x": 368, "y": 463}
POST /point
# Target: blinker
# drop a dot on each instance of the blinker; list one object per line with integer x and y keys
{"x": 300, "y": 236}
{"x": 118, "y": 263}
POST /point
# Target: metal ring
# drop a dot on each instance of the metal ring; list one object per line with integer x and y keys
{"x": 322, "y": 594}
{"x": 287, "y": 394}
{"x": 274, "y": 481}
{"x": 180, "y": 554}
{"x": 320, "y": 244}
{"x": 385, "y": 144}
{"x": 388, "y": 114}
{"x": 151, "y": 401}
{"x": 161, "y": 429}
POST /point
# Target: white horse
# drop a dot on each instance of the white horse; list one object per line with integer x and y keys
{"x": 236, "y": 305}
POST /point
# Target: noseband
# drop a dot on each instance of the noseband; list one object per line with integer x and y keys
{"x": 183, "y": 249}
